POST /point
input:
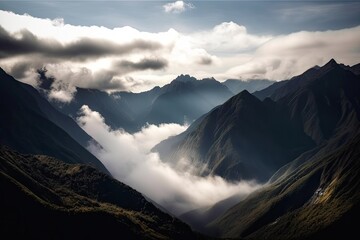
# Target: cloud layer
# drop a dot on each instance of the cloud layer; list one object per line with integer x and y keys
{"x": 128, "y": 158}
{"x": 128, "y": 59}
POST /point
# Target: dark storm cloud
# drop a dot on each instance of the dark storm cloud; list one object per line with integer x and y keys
{"x": 144, "y": 64}
{"x": 205, "y": 61}
{"x": 25, "y": 43}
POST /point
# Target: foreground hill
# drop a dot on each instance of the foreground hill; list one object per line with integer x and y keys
{"x": 29, "y": 124}
{"x": 43, "y": 198}
{"x": 320, "y": 199}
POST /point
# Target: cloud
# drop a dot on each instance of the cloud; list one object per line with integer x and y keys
{"x": 125, "y": 58}
{"x": 128, "y": 158}
{"x": 288, "y": 55}
{"x": 228, "y": 37}
{"x": 24, "y": 42}
{"x": 177, "y": 7}
{"x": 143, "y": 64}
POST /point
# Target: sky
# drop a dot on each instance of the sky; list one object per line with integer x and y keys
{"x": 136, "y": 45}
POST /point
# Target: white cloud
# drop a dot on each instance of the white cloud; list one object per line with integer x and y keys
{"x": 285, "y": 56}
{"x": 228, "y": 38}
{"x": 128, "y": 158}
{"x": 177, "y": 7}
{"x": 227, "y": 50}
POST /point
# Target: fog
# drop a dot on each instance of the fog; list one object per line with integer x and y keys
{"x": 128, "y": 158}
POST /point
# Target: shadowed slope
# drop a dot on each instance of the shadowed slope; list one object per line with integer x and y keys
{"x": 26, "y": 125}
{"x": 44, "y": 198}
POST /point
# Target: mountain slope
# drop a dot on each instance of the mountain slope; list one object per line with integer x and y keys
{"x": 242, "y": 139}
{"x": 237, "y": 86}
{"x": 318, "y": 200}
{"x": 116, "y": 113}
{"x": 26, "y": 125}
{"x": 44, "y": 198}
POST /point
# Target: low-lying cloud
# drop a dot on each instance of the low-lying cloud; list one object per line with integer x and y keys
{"x": 128, "y": 158}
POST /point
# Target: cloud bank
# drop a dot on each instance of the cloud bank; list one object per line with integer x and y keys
{"x": 128, "y": 158}
{"x": 127, "y": 59}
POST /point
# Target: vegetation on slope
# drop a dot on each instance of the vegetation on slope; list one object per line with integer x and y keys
{"x": 44, "y": 198}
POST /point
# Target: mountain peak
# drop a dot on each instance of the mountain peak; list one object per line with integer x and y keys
{"x": 332, "y": 62}
{"x": 185, "y": 78}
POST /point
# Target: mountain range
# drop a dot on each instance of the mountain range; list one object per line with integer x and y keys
{"x": 246, "y": 138}
{"x": 181, "y": 101}
{"x": 300, "y": 138}
{"x": 304, "y": 136}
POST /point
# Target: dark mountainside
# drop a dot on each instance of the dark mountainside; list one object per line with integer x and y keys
{"x": 236, "y": 86}
{"x": 267, "y": 92}
{"x": 29, "y": 124}
{"x": 320, "y": 199}
{"x": 48, "y": 199}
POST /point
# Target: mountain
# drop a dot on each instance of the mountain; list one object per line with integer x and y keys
{"x": 252, "y": 85}
{"x": 29, "y": 124}
{"x": 198, "y": 219}
{"x": 246, "y": 138}
{"x": 267, "y": 92}
{"x": 317, "y": 200}
{"x": 277, "y": 86}
{"x": 185, "y": 99}
{"x": 44, "y": 198}
{"x": 243, "y": 139}
{"x": 116, "y": 112}
{"x": 315, "y": 195}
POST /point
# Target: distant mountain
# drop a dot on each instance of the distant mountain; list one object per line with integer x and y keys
{"x": 246, "y": 138}
{"x": 252, "y": 85}
{"x": 185, "y": 99}
{"x": 29, "y": 124}
{"x": 116, "y": 112}
{"x": 44, "y": 198}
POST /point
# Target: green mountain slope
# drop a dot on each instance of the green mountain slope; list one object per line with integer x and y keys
{"x": 319, "y": 199}
{"x": 43, "y": 198}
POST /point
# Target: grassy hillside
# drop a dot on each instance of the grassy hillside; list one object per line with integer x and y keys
{"x": 319, "y": 200}
{"x": 43, "y": 198}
